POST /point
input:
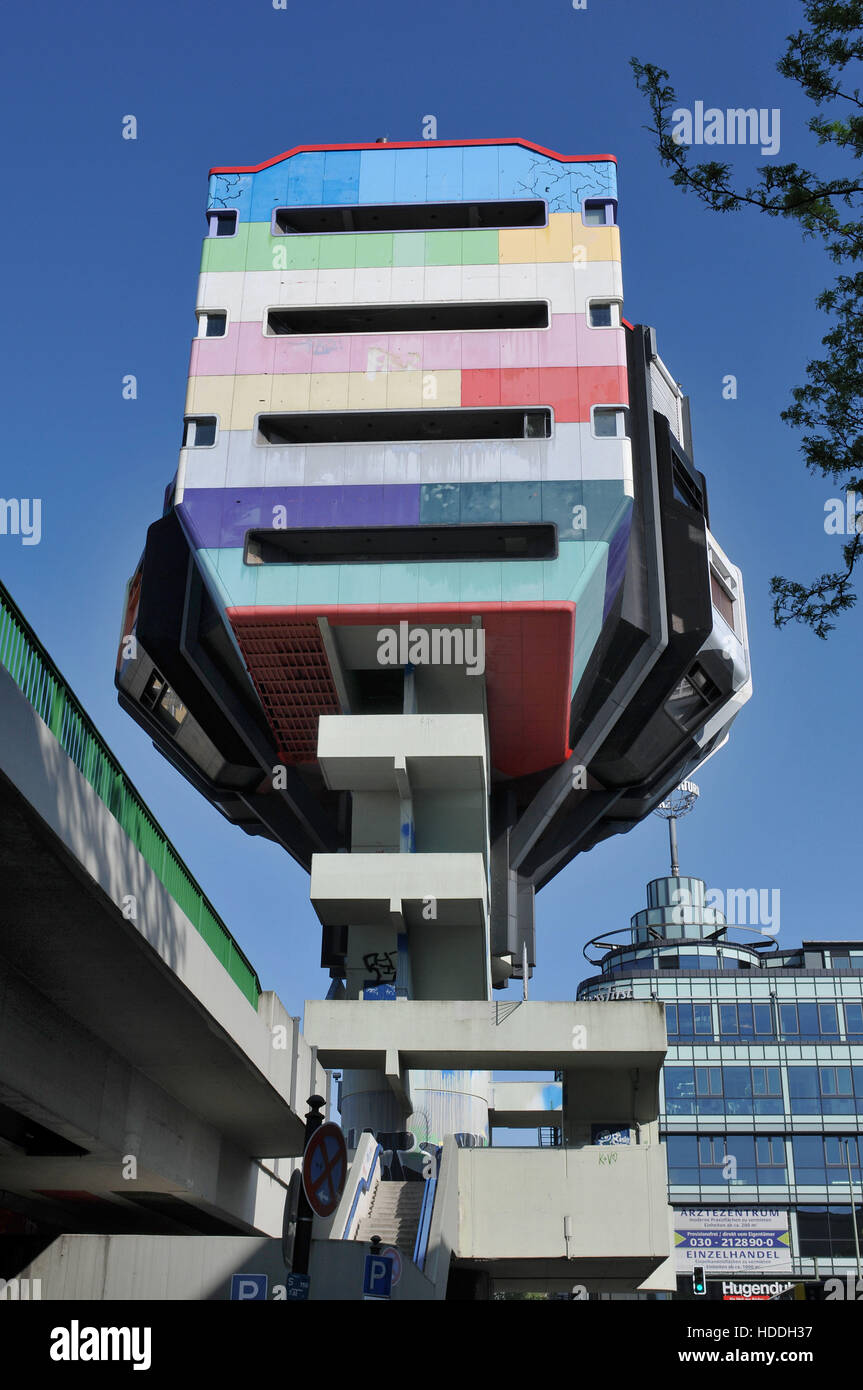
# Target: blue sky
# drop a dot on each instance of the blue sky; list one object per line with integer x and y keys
{"x": 103, "y": 243}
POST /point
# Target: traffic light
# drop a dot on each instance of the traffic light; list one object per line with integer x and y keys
{"x": 699, "y": 1283}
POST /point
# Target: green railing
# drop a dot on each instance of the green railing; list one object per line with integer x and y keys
{"x": 33, "y": 671}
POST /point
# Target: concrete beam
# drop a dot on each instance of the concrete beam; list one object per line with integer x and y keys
{"x": 526, "y": 1036}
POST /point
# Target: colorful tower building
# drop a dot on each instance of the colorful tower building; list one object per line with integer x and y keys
{"x": 434, "y": 582}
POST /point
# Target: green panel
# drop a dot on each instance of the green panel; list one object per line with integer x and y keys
{"x": 375, "y": 249}
{"x": 409, "y": 248}
{"x": 443, "y": 248}
{"x": 255, "y": 248}
{"x": 30, "y": 666}
{"x": 480, "y": 247}
{"x": 227, "y": 252}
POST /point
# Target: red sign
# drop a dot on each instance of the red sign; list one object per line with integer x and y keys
{"x": 325, "y": 1167}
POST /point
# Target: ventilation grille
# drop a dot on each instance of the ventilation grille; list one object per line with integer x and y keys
{"x": 289, "y": 667}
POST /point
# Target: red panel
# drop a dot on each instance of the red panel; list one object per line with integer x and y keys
{"x": 602, "y": 386}
{"x": 410, "y": 145}
{"x": 480, "y": 387}
{"x": 528, "y": 672}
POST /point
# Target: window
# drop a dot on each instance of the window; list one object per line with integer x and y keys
{"x": 599, "y": 212}
{"x": 679, "y": 1090}
{"x": 827, "y": 1231}
{"x": 723, "y": 601}
{"x": 688, "y": 1020}
{"x": 163, "y": 702}
{"x": 603, "y": 313}
{"x": 222, "y": 223}
{"x": 609, "y": 422}
{"x": 408, "y": 318}
{"x": 825, "y": 1090}
{"x": 199, "y": 431}
{"x": 685, "y": 487}
{"x": 328, "y": 545}
{"x": 809, "y": 1020}
{"x": 212, "y": 323}
{"x": 723, "y": 1160}
{"x": 410, "y": 217}
{"x": 745, "y": 1020}
{"x": 820, "y": 1160}
{"x": 854, "y": 1018}
{"x": 393, "y": 426}
{"x": 767, "y": 1091}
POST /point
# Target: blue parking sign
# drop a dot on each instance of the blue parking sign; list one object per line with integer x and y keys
{"x": 378, "y": 1276}
{"x": 248, "y": 1287}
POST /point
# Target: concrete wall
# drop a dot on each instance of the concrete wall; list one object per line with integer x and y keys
{"x": 513, "y": 1204}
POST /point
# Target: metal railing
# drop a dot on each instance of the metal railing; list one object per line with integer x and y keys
{"x": 42, "y": 684}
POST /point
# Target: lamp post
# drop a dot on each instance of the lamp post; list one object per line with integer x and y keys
{"x": 678, "y": 803}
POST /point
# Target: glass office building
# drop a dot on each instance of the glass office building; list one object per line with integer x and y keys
{"x": 762, "y": 1105}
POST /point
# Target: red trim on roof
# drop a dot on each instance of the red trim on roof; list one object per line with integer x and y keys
{"x": 626, "y": 323}
{"x": 410, "y": 145}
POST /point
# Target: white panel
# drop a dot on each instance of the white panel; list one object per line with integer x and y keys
{"x": 221, "y": 290}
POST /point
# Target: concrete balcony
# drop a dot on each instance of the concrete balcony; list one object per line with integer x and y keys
{"x": 443, "y": 752}
{"x": 373, "y": 889}
{"x": 576, "y": 1214}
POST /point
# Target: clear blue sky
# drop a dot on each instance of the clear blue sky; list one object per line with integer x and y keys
{"x": 102, "y": 247}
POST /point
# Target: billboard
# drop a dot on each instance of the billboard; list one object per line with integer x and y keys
{"x": 732, "y": 1240}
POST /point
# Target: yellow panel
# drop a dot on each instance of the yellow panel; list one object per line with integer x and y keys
{"x": 555, "y": 242}
{"x": 211, "y": 395}
{"x": 517, "y": 246}
{"x": 328, "y": 391}
{"x": 251, "y": 395}
{"x": 424, "y": 390}
{"x": 291, "y": 391}
{"x": 367, "y": 390}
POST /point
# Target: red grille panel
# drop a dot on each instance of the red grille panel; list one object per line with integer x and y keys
{"x": 288, "y": 664}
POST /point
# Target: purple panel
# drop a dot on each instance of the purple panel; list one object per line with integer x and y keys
{"x": 220, "y": 517}
{"x": 616, "y": 564}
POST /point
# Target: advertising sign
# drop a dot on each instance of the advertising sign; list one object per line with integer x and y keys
{"x": 732, "y": 1240}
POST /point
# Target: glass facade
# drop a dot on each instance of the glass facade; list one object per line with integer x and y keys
{"x": 762, "y": 1088}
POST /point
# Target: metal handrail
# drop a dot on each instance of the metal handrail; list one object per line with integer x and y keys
{"x": 43, "y": 685}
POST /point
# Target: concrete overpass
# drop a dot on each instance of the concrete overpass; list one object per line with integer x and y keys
{"x": 146, "y": 1080}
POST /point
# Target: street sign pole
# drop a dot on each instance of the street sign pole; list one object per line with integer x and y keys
{"x": 305, "y": 1215}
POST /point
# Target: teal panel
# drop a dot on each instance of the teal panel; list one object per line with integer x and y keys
{"x": 520, "y": 501}
{"x": 400, "y": 583}
{"x": 588, "y": 611}
{"x": 439, "y": 504}
{"x": 481, "y": 581}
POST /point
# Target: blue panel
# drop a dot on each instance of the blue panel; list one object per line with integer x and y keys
{"x": 410, "y": 185}
{"x": 306, "y": 179}
{"x": 341, "y": 176}
{"x": 231, "y": 191}
{"x": 479, "y": 172}
{"x": 526, "y": 174}
{"x": 594, "y": 180}
{"x": 270, "y": 191}
{"x": 378, "y": 175}
{"x": 444, "y": 180}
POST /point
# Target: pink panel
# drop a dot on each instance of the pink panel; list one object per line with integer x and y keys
{"x": 480, "y": 351}
{"x": 599, "y": 347}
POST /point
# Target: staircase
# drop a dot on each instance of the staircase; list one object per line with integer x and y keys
{"x": 394, "y": 1215}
